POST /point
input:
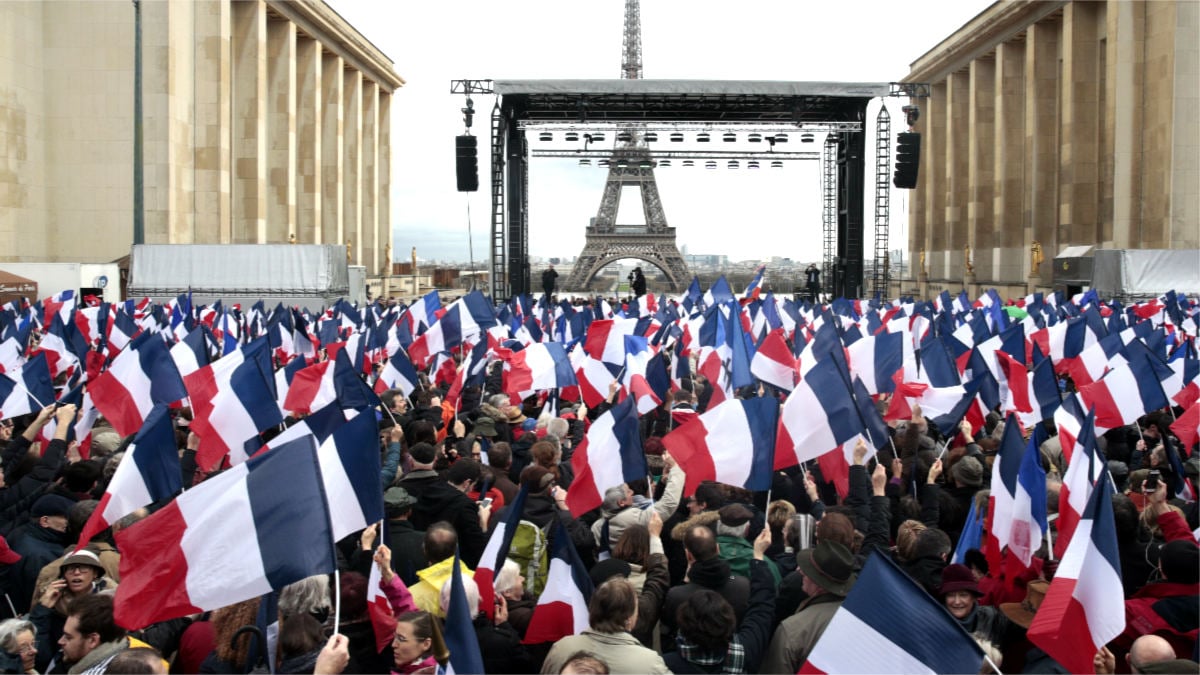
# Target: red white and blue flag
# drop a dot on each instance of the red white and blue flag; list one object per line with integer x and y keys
{"x": 148, "y": 473}
{"x": 1084, "y": 607}
{"x": 28, "y": 390}
{"x": 233, "y": 400}
{"x": 350, "y": 469}
{"x": 817, "y": 417}
{"x": 562, "y": 608}
{"x": 142, "y": 376}
{"x": 864, "y": 636}
{"x": 234, "y": 537}
{"x": 773, "y": 362}
{"x": 610, "y": 454}
{"x": 542, "y": 365}
{"x": 496, "y": 552}
{"x": 732, "y": 443}
{"x": 1084, "y": 469}
{"x": 1017, "y": 504}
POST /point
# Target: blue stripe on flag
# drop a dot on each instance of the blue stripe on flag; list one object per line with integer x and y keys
{"x": 156, "y": 456}
{"x": 762, "y": 416}
{"x": 290, "y": 511}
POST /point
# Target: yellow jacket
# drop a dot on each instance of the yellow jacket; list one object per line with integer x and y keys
{"x": 427, "y": 592}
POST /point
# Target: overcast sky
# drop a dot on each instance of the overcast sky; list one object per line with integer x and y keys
{"x": 742, "y": 213}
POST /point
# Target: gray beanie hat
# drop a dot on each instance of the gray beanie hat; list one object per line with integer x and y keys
{"x": 969, "y": 472}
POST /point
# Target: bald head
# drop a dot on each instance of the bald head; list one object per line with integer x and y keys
{"x": 1149, "y": 649}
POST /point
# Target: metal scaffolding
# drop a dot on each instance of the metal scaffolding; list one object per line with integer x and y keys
{"x": 881, "y": 274}
{"x": 498, "y": 272}
{"x": 829, "y": 215}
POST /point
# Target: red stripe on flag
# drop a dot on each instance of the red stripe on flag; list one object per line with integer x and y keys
{"x": 153, "y": 570}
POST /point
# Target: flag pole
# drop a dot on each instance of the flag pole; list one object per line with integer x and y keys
{"x": 337, "y": 598}
{"x": 991, "y": 663}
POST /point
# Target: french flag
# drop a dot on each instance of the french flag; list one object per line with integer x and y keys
{"x": 350, "y": 469}
{"x": 605, "y": 341}
{"x": 1187, "y": 428}
{"x": 496, "y": 552}
{"x": 1084, "y": 607}
{"x": 1124, "y": 394}
{"x": 149, "y": 473}
{"x": 397, "y": 373}
{"x": 773, "y": 362}
{"x": 610, "y": 454}
{"x": 191, "y": 353}
{"x": 817, "y": 417}
{"x": 1068, "y": 419}
{"x": 876, "y": 359}
{"x": 383, "y": 621}
{"x": 542, "y": 365}
{"x": 27, "y": 391}
{"x": 445, "y": 334}
{"x": 864, "y": 636}
{"x": 755, "y": 285}
{"x": 311, "y": 389}
{"x": 234, "y": 537}
{"x": 1017, "y": 504}
{"x": 1078, "y": 481}
{"x": 645, "y": 376}
{"x": 60, "y": 304}
{"x": 562, "y": 608}
{"x": 461, "y": 640}
{"x": 593, "y": 377}
{"x": 142, "y": 376}
{"x": 233, "y": 400}
{"x": 732, "y": 443}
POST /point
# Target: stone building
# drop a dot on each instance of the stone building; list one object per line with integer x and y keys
{"x": 263, "y": 120}
{"x": 1054, "y": 124}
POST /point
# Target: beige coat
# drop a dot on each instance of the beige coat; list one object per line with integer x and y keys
{"x": 621, "y": 651}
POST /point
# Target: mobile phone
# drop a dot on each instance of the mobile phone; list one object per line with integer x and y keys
{"x": 1151, "y": 483}
{"x": 485, "y": 502}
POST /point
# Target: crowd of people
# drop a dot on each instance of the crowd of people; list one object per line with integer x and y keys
{"x": 715, "y": 579}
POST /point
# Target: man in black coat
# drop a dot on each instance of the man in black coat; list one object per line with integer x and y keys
{"x": 446, "y": 499}
{"x": 39, "y": 544}
{"x": 406, "y": 541}
{"x": 706, "y": 570}
{"x": 549, "y": 278}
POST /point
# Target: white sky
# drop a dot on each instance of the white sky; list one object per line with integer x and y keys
{"x": 741, "y": 213}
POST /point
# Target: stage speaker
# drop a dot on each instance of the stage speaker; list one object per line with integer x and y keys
{"x": 466, "y": 163}
{"x": 908, "y": 158}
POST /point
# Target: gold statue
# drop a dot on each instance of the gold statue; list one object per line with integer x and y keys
{"x": 348, "y": 250}
{"x": 967, "y": 259}
{"x": 387, "y": 260}
{"x": 292, "y": 238}
{"x": 921, "y": 263}
{"x": 1035, "y": 256}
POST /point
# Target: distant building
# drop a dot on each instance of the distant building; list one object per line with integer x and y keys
{"x": 264, "y": 120}
{"x": 1054, "y": 124}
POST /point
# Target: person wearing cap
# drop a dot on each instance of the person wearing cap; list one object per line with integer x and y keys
{"x": 1020, "y": 655}
{"x": 733, "y": 526}
{"x": 81, "y": 573}
{"x": 39, "y": 544}
{"x": 406, "y": 541}
{"x": 828, "y": 573}
{"x": 960, "y": 594}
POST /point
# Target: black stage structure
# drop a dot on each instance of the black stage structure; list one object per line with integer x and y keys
{"x": 838, "y": 108}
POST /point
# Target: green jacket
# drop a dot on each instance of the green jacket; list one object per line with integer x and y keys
{"x": 738, "y": 553}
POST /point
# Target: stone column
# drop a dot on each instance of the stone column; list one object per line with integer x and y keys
{"x": 332, "y": 70}
{"x": 1041, "y": 142}
{"x": 980, "y": 167}
{"x": 178, "y": 192}
{"x": 370, "y": 146}
{"x": 1009, "y": 161}
{"x": 384, "y": 171}
{"x": 281, "y": 131}
{"x": 352, "y": 162}
{"x": 935, "y": 183}
{"x": 1182, "y": 228}
{"x": 212, "y": 127}
{"x": 957, "y": 136}
{"x": 308, "y": 140}
{"x": 1078, "y": 167}
{"x": 249, "y": 121}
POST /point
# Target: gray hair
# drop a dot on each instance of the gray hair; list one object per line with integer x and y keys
{"x": 472, "y": 592}
{"x": 559, "y": 427}
{"x": 10, "y": 629}
{"x": 733, "y": 530}
{"x": 613, "y": 497}
{"x": 306, "y": 595}
{"x": 506, "y": 580}
{"x": 499, "y": 401}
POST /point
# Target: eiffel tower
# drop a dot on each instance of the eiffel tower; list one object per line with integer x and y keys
{"x": 630, "y": 165}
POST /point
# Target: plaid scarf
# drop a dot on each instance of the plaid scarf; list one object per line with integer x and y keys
{"x": 733, "y": 658}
